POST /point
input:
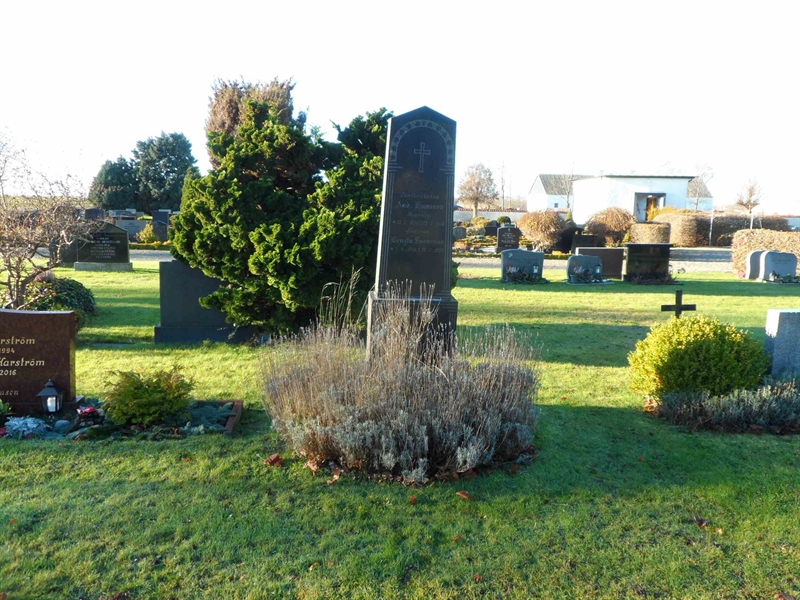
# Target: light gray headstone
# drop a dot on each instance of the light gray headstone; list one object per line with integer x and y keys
{"x": 531, "y": 263}
{"x": 783, "y": 339}
{"x": 753, "y": 264}
{"x": 782, "y": 263}
{"x": 459, "y": 233}
{"x": 578, "y": 262}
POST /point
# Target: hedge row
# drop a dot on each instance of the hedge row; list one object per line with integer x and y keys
{"x": 650, "y": 233}
{"x": 690, "y": 229}
{"x": 750, "y": 240}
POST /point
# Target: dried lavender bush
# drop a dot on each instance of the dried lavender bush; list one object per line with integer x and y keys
{"x": 413, "y": 408}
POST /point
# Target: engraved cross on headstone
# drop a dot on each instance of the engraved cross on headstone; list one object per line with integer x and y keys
{"x": 422, "y": 154}
{"x": 679, "y": 307}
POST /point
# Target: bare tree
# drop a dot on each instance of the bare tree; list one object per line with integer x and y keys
{"x": 563, "y": 183}
{"x": 34, "y": 226}
{"x": 477, "y": 188}
{"x": 503, "y": 185}
{"x": 749, "y": 198}
{"x": 697, "y": 186}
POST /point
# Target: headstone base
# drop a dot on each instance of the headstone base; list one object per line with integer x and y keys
{"x": 446, "y": 310}
{"x": 198, "y": 335}
{"x": 95, "y": 266}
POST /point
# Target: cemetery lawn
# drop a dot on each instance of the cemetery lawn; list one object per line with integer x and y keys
{"x": 606, "y": 510}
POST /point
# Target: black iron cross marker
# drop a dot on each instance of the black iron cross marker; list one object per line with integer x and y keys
{"x": 679, "y": 307}
{"x": 422, "y": 154}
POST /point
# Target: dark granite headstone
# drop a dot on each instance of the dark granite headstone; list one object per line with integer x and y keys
{"x": 753, "y": 264}
{"x": 162, "y": 216}
{"x": 183, "y": 320}
{"x": 779, "y": 263}
{"x": 613, "y": 260}
{"x": 34, "y": 347}
{"x": 490, "y": 230}
{"x": 459, "y": 233}
{"x": 647, "y": 261}
{"x": 94, "y": 214}
{"x": 161, "y": 230}
{"x": 580, "y": 240}
{"x": 582, "y": 268}
{"x": 508, "y": 238}
{"x": 521, "y": 261}
{"x": 107, "y": 246}
{"x": 415, "y": 245}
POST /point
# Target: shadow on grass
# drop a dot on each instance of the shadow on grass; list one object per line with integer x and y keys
{"x": 587, "y": 344}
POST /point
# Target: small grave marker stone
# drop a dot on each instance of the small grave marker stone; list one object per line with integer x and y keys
{"x": 491, "y": 229}
{"x": 107, "y": 250}
{"x": 582, "y": 268}
{"x": 613, "y": 259}
{"x": 34, "y": 347}
{"x": 774, "y": 263}
{"x": 783, "y": 339}
{"x": 647, "y": 262}
{"x": 753, "y": 264}
{"x": 133, "y": 227}
{"x": 459, "y": 233}
{"x": 520, "y": 261}
{"x": 508, "y": 238}
{"x": 581, "y": 240}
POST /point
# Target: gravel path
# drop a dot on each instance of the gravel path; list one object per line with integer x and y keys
{"x": 689, "y": 259}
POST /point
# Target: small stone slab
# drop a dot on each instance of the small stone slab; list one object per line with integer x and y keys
{"x": 508, "y": 238}
{"x": 530, "y": 263}
{"x": 783, "y": 339}
{"x": 102, "y": 266}
{"x": 459, "y": 233}
{"x": 780, "y": 263}
{"x": 613, "y": 259}
{"x": 582, "y": 263}
{"x": 753, "y": 265}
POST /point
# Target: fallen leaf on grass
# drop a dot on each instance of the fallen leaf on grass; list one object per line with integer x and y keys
{"x": 413, "y": 499}
{"x": 477, "y": 577}
{"x": 464, "y": 494}
{"x": 3, "y": 596}
{"x": 336, "y": 474}
{"x": 313, "y": 566}
{"x": 563, "y": 398}
{"x": 640, "y": 458}
{"x": 274, "y": 460}
{"x": 719, "y": 530}
{"x": 700, "y": 521}
{"x": 11, "y": 522}
{"x": 514, "y": 469}
{"x": 777, "y": 597}
{"x": 313, "y": 465}
{"x": 458, "y": 538}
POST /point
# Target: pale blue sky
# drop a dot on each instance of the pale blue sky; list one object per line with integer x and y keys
{"x": 543, "y": 86}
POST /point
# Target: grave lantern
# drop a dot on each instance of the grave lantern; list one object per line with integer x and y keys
{"x": 52, "y": 397}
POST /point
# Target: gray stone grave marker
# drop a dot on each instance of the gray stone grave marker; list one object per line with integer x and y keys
{"x": 415, "y": 244}
{"x": 582, "y": 268}
{"x": 520, "y": 261}
{"x": 753, "y": 265}
{"x": 133, "y": 227}
{"x": 647, "y": 262}
{"x": 459, "y": 233}
{"x": 779, "y": 263}
{"x": 508, "y": 238}
{"x": 107, "y": 250}
{"x": 613, "y": 259}
{"x": 783, "y": 339}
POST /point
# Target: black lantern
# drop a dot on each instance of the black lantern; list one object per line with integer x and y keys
{"x": 52, "y": 397}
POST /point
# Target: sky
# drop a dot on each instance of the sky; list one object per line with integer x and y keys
{"x": 535, "y": 87}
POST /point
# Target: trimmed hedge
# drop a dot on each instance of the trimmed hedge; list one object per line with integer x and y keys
{"x": 650, "y": 233}
{"x": 690, "y": 228}
{"x": 750, "y": 240}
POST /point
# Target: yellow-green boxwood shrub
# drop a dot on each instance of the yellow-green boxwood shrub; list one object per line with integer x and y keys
{"x": 147, "y": 398}
{"x": 696, "y": 354}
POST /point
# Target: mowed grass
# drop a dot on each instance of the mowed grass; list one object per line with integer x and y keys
{"x": 605, "y": 511}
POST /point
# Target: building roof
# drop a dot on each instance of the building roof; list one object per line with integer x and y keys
{"x": 558, "y": 184}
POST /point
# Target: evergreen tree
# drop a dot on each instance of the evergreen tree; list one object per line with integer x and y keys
{"x": 161, "y": 164}
{"x": 115, "y": 186}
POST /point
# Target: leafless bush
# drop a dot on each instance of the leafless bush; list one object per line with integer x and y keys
{"x": 413, "y": 408}
{"x": 612, "y": 223}
{"x": 542, "y": 228}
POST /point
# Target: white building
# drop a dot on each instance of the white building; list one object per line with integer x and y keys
{"x": 635, "y": 193}
{"x": 550, "y": 191}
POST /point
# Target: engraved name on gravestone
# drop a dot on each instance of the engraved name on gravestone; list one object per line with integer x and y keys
{"x": 415, "y": 244}
{"x": 520, "y": 262}
{"x": 508, "y": 238}
{"x": 34, "y": 347}
{"x": 108, "y": 245}
{"x": 582, "y": 268}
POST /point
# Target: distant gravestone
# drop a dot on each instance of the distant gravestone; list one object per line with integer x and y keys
{"x": 107, "y": 250}
{"x": 753, "y": 266}
{"x": 783, "y": 339}
{"x": 459, "y": 233}
{"x": 94, "y": 214}
{"x": 508, "y": 238}
{"x": 133, "y": 227}
{"x": 777, "y": 263}
{"x": 34, "y": 347}
{"x": 580, "y": 240}
{"x": 520, "y": 261}
{"x": 161, "y": 230}
{"x": 415, "y": 245}
{"x": 183, "y": 320}
{"x": 491, "y": 230}
{"x": 613, "y": 260}
{"x": 647, "y": 262}
{"x": 582, "y": 268}
{"x": 162, "y": 216}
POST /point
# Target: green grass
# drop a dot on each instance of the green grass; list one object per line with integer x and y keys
{"x": 604, "y": 511}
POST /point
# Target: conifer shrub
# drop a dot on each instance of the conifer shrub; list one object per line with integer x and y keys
{"x": 696, "y": 354}
{"x": 414, "y": 408}
{"x": 773, "y": 407}
{"x": 147, "y": 398}
{"x": 611, "y": 224}
{"x": 147, "y": 235}
{"x": 502, "y": 220}
{"x": 542, "y": 228}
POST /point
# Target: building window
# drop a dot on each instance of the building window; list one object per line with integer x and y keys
{"x": 555, "y": 204}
